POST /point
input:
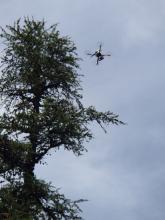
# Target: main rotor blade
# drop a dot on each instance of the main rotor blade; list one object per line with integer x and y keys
{"x": 100, "y": 47}
{"x": 106, "y": 55}
{"x": 90, "y": 54}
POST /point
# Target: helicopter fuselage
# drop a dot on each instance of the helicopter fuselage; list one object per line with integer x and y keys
{"x": 98, "y": 54}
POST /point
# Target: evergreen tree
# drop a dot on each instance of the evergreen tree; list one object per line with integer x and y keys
{"x": 41, "y": 93}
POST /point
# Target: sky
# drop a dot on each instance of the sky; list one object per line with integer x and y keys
{"x": 123, "y": 173}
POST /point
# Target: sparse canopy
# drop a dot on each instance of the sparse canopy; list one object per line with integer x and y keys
{"x": 41, "y": 93}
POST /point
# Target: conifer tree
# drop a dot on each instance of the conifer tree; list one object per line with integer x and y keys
{"x": 41, "y": 94}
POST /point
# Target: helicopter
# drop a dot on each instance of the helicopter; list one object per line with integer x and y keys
{"x": 98, "y": 54}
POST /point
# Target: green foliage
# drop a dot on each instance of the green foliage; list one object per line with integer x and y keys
{"x": 40, "y": 89}
{"x": 45, "y": 202}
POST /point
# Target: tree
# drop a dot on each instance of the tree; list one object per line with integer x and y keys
{"x": 40, "y": 89}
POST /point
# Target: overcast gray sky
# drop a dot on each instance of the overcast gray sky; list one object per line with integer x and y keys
{"x": 123, "y": 173}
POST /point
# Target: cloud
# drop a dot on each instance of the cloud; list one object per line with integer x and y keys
{"x": 143, "y": 22}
